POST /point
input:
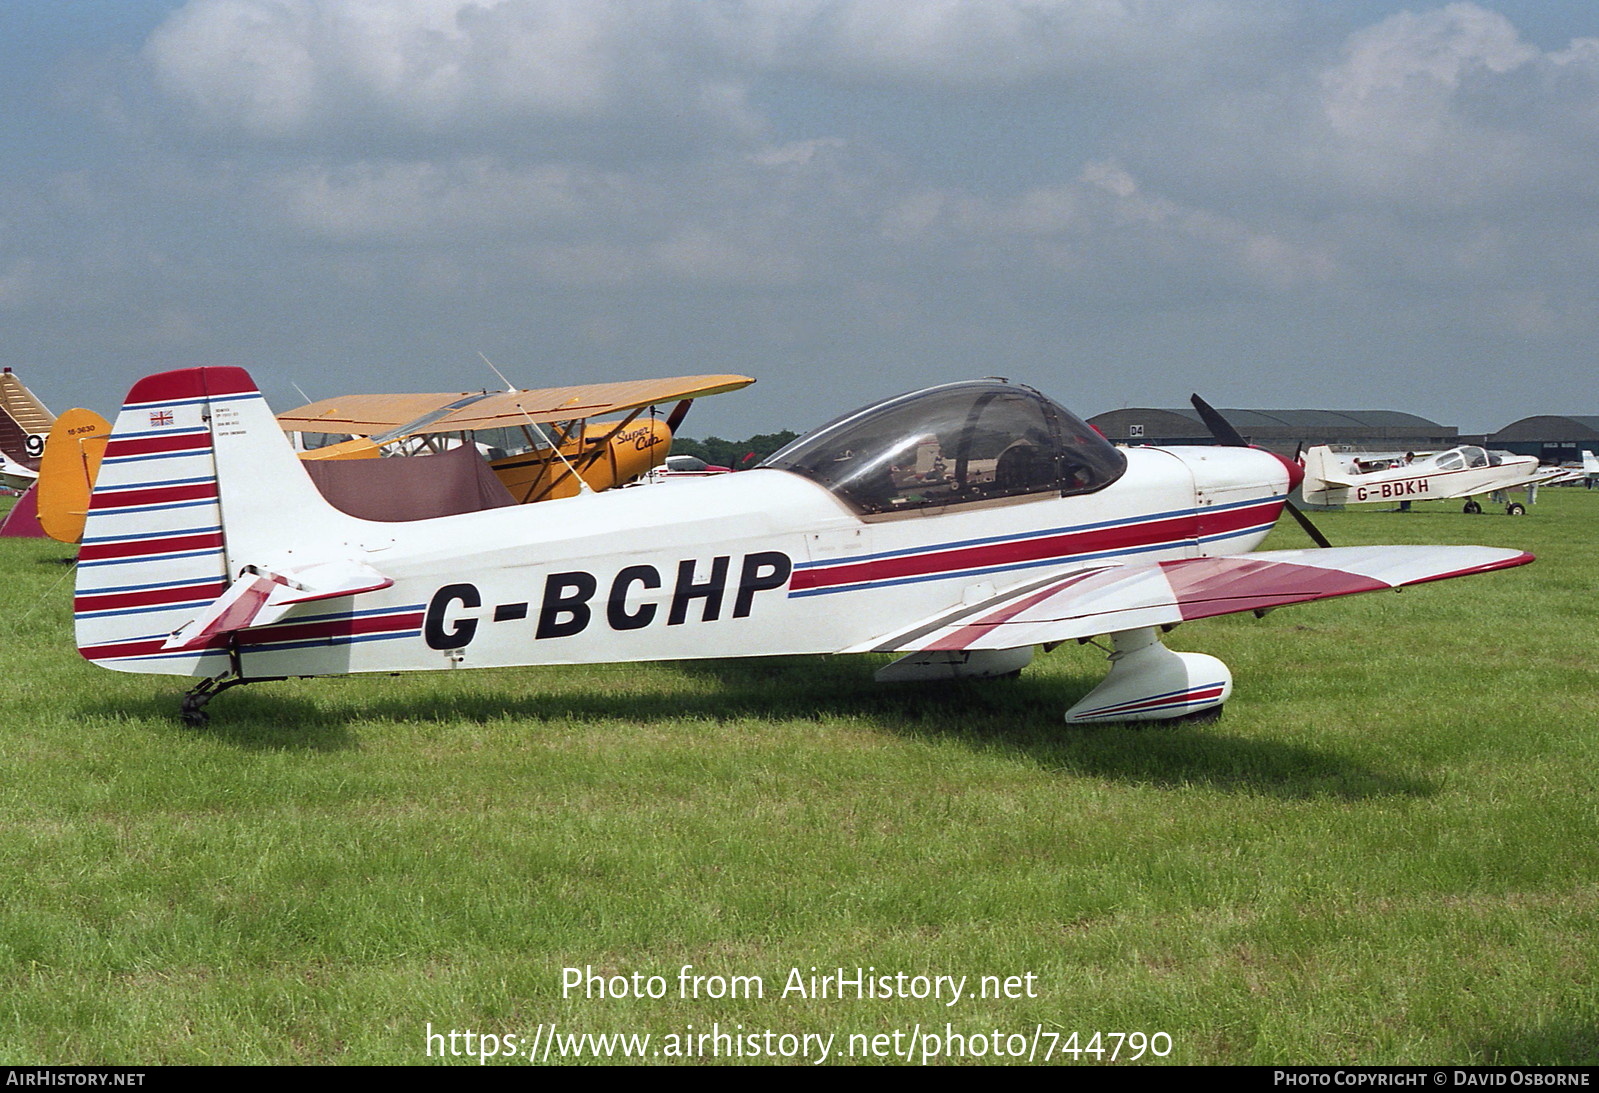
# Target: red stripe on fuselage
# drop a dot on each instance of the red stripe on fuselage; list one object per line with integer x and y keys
{"x": 1019, "y": 552}
{"x": 307, "y": 631}
{"x": 146, "y": 647}
{"x": 330, "y": 628}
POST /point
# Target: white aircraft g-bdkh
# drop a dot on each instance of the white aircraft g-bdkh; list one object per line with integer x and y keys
{"x": 1354, "y": 478}
{"x": 961, "y": 526}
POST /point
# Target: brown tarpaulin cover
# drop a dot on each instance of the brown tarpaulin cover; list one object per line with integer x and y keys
{"x": 410, "y": 487}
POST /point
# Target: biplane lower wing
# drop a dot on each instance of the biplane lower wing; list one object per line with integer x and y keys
{"x": 1129, "y": 597}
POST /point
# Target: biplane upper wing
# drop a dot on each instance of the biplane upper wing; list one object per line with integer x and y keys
{"x": 370, "y": 415}
{"x": 585, "y": 400}
{"x": 1106, "y": 600}
{"x": 365, "y": 415}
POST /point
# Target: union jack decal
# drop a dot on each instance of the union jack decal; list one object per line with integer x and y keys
{"x": 161, "y": 417}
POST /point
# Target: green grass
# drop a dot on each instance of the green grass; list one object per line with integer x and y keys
{"x": 1387, "y": 851}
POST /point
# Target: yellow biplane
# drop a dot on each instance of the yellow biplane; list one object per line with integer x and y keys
{"x": 540, "y": 443}
{"x": 537, "y": 444}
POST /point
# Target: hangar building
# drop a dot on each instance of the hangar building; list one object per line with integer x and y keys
{"x": 1282, "y": 431}
{"x": 1553, "y": 438}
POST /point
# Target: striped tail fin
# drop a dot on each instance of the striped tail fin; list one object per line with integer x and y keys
{"x": 166, "y": 535}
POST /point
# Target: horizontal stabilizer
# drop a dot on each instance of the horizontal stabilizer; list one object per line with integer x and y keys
{"x": 1102, "y": 601}
{"x": 261, "y": 597}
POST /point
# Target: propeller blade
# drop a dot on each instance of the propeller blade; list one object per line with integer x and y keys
{"x": 1225, "y": 434}
{"x": 1304, "y": 521}
{"x": 1219, "y": 427}
{"x": 679, "y": 412}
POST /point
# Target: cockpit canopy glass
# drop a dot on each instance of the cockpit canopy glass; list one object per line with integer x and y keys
{"x": 953, "y": 445}
{"x": 1459, "y": 458}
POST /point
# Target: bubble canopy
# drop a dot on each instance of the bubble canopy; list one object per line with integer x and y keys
{"x": 952, "y": 445}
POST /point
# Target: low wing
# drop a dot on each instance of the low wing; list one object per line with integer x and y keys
{"x": 369, "y": 415}
{"x": 1540, "y": 476}
{"x": 1100, "y": 601}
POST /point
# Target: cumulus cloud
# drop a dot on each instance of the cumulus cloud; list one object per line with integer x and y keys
{"x": 971, "y": 45}
{"x": 292, "y": 68}
{"x": 296, "y": 68}
{"x": 970, "y": 169}
{"x": 1440, "y": 108}
{"x": 1451, "y": 107}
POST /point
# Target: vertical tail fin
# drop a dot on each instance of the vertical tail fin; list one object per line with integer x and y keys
{"x": 1322, "y": 485}
{"x": 197, "y": 480}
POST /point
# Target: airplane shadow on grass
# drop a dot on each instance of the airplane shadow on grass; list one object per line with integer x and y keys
{"x": 1017, "y": 717}
{"x": 1565, "y": 1040}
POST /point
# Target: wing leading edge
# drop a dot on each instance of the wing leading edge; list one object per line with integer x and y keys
{"x": 1117, "y": 598}
{"x": 460, "y": 412}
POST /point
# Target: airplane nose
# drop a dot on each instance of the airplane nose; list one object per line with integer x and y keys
{"x": 1296, "y": 473}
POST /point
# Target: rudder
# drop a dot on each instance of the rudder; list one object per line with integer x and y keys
{"x": 166, "y": 532}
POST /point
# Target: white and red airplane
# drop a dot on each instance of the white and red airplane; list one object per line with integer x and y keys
{"x": 1355, "y": 478}
{"x": 961, "y": 526}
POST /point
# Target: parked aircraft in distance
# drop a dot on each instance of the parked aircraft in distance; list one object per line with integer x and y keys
{"x": 24, "y": 426}
{"x": 67, "y": 472}
{"x": 15, "y": 476}
{"x": 1356, "y": 478}
{"x": 1584, "y": 470}
{"x": 961, "y": 526}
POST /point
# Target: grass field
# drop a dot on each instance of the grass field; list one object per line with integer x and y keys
{"x": 1387, "y": 851}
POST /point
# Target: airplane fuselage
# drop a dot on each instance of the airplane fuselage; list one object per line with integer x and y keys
{"x": 762, "y": 562}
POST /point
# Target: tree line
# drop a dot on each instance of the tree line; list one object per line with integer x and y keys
{"x": 741, "y": 455}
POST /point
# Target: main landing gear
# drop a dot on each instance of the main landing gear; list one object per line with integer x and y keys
{"x": 1147, "y": 681}
{"x": 1515, "y": 508}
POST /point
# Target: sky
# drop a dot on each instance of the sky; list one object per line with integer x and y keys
{"x": 1348, "y": 205}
